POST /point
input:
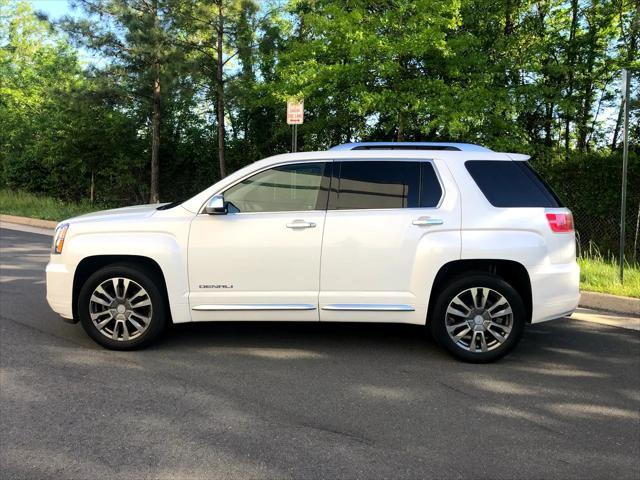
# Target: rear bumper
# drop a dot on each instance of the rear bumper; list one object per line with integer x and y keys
{"x": 60, "y": 289}
{"x": 555, "y": 290}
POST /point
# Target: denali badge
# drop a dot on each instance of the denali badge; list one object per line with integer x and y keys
{"x": 215, "y": 286}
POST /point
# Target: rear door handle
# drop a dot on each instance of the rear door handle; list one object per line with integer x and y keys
{"x": 301, "y": 224}
{"x": 427, "y": 221}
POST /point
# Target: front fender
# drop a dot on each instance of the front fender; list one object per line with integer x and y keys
{"x": 161, "y": 247}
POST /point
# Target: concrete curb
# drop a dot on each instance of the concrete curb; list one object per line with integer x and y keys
{"x": 610, "y": 303}
{"x": 31, "y": 222}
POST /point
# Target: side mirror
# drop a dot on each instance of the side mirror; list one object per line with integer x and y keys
{"x": 216, "y": 206}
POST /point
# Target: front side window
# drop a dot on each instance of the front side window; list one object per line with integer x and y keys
{"x": 295, "y": 187}
{"x": 384, "y": 184}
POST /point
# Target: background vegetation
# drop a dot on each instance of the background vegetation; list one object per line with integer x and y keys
{"x": 599, "y": 274}
{"x": 178, "y": 93}
{"x": 25, "y": 204}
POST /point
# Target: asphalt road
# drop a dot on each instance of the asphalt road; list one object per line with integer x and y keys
{"x": 305, "y": 401}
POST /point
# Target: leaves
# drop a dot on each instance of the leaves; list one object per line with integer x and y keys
{"x": 535, "y": 77}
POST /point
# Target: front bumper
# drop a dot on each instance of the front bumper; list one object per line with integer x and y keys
{"x": 555, "y": 290}
{"x": 60, "y": 288}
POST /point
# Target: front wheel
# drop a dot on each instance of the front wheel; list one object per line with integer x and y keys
{"x": 478, "y": 318}
{"x": 121, "y": 307}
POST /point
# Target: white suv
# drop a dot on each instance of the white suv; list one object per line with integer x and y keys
{"x": 470, "y": 242}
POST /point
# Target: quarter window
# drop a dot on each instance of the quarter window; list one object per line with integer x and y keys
{"x": 384, "y": 184}
{"x": 295, "y": 187}
{"x": 511, "y": 184}
{"x": 430, "y": 189}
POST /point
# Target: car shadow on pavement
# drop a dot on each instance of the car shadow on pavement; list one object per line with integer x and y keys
{"x": 350, "y": 400}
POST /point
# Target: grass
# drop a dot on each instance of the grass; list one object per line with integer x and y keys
{"x": 46, "y": 208}
{"x": 600, "y": 275}
{"x": 597, "y": 274}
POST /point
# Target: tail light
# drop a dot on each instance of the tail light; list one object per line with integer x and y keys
{"x": 560, "y": 222}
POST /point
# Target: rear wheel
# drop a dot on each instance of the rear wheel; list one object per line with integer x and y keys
{"x": 121, "y": 307}
{"x": 478, "y": 318}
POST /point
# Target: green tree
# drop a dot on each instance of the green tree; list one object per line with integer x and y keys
{"x": 37, "y": 72}
{"x": 133, "y": 36}
{"x": 372, "y": 62}
{"x": 222, "y": 37}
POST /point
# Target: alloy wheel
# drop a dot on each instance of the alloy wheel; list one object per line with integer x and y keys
{"x": 120, "y": 309}
{"x": 479, "y": 319}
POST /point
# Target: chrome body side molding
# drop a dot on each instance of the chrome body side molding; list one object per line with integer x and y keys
{"x": 255, "y": 306}
{"x": 369, "y": 307}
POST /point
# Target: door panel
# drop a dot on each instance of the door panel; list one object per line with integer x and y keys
{"x": 251, "y": 260}
{"x": 256, "y": 264}
{"x": 377, "y": 264}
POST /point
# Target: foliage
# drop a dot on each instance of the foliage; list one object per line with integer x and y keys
{"x": 25, "y": 204}
{"x": 203, "y": 84}
{"x": 58, "y": 124}
{"x": 600, "y": 275}
{"x": 589, "y": 184}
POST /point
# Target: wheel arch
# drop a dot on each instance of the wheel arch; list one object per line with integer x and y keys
{"x": 510, "y": 271}
{"x": 91, "y": 264}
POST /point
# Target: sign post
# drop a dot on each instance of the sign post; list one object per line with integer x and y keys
{"x": 625, "y": 161}
{"x": 295, "y": 117}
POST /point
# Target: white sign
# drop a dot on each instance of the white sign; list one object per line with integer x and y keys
{"x": 295, "y": 112}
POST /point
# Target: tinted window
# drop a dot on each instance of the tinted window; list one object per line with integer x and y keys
{"x": 384, "y": 184}
{"x": 511, "y": 184}
{"x": 430, "y": 189}
{"x": 286, "y": 188}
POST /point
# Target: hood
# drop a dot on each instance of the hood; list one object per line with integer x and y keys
{"x": 136, "y": 212}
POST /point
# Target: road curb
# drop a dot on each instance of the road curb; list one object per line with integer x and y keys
{"x": 31, "y": 222}
{"x": 610, "y": 303}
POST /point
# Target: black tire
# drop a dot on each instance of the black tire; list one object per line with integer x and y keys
{"x": 439, "y": 319}
{"x": 158, "y": 312}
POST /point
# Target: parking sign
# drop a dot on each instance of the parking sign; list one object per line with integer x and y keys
{"x": 295, "y": 112}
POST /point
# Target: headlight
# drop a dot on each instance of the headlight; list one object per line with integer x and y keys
{"x": 58, "y": 238}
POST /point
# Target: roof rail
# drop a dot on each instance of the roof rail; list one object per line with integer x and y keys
{"x": 450, "y": 146}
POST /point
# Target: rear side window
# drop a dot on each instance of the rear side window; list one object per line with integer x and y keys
{"x": 511, "y": 184}
{"x": 384, "y": 184}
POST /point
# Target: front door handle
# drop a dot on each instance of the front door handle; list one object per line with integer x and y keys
{"x": 301, "y": 224}
{"x": 427, "y": 221}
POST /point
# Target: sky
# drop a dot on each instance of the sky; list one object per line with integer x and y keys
{"x": 55, "y": 8}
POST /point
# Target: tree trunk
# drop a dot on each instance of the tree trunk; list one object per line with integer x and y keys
{"x": 616, "y": 130}
{"x": 220, "y": 92}
{"x": 401, "y": 126}
{"x": 508, "y": 19}
{"x": 592, "y": 128}
{"x": 93, "y": 189}
{"x": 583, "y": 118}
{"x": 154, "y": 190}
{"x": 631, "y": 53}
{"x": 548, "y": 125}
{"x": 154, "y": 194}
{"x": 570, "y": 58}
{"x": 588, "y": 94}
